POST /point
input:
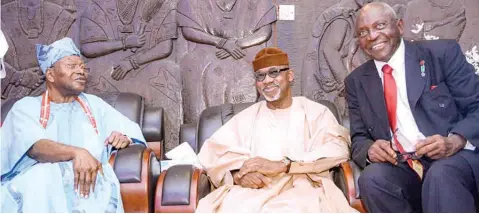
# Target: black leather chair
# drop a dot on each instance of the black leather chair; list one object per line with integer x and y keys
{"x": 181, "y": 187}
{"x": 136, "y": 166}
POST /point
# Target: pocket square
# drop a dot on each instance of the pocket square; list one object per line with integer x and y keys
{"x": 433, "y": 87}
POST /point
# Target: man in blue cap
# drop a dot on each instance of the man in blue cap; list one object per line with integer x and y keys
{"x": 55, "y": 147}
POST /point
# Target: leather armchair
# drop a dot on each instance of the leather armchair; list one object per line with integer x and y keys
{"x": 136, "y": 166}
{"x": 181, "y": 187}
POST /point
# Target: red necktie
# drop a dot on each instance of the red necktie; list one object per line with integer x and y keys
{"x": 390, "y": 95}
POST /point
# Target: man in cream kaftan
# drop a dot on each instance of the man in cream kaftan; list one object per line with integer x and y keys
{"x": 304, "y": 131}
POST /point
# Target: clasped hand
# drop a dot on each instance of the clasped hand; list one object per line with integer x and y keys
{"x": 434, "y": 147}
{"x": 256, "y": 171}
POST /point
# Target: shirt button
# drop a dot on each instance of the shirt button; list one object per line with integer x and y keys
{"x": 441, "y": 105}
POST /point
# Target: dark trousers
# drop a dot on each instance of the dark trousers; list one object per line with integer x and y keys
{"x": 449, "y": 185}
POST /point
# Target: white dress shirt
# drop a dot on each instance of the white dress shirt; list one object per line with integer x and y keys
{"x": 408, "y": 132}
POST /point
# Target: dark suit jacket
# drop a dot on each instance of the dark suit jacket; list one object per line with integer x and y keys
{"x": 450, "y": 106}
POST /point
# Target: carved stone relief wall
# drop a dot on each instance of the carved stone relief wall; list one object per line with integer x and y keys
{"x": 129, "y": 46}
{"x": 24, "y": 23}
{"x": 332, "y": 51}
{"x": 224, "y": 40}
{"x": 186, "y": 55}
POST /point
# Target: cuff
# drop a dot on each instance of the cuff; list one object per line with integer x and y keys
{"x": 468, "y": 144}
{"x": 368, "y": 161}
{"x": 136, "y": 141}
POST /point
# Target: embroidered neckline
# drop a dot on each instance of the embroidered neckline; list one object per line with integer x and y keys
{"x": 45, "y": 111}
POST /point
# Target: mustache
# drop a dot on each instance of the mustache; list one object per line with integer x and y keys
{"x": 80, "y": 77}
{"x": 272, "y": 85}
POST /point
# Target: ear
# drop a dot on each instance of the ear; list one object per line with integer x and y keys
{"x": 50, "y": 74}
{"x": 291, "y": 75}
{"x": 400, "y": 25}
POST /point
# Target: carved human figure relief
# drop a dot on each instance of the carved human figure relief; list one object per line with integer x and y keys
{"x": 332, "y": 53}
{"x": 129, "y": 44}
{"x": 26, "y": 23}
{"x": 223, "y": 37}
{"x": 434, "y": 19}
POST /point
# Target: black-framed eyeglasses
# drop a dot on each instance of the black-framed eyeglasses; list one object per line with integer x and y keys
{"x": 403, "y": 157}
{"x": 273, "y": 73}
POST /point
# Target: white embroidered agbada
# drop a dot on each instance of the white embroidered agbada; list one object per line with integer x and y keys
{"x": 306, "y": 132}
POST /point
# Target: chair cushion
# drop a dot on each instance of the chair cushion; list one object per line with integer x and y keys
{"x": 129, "y": 104}
{"x": 153, "y": 124}
{"x": 128, "y": 162}
{"x": 188, "y": 134}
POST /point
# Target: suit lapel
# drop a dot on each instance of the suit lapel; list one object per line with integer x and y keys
{"x": 415, "y": 83}
{"x": 373, "y": 88}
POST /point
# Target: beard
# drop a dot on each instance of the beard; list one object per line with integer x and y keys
{"x": 274, "y": 97}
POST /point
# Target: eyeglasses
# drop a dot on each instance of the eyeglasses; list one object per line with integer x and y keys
{"x": 75, "y": 67}
{"x": 273, "y": 73}
{"x": 406, "y": 156}
{"x": 403, "y": 157}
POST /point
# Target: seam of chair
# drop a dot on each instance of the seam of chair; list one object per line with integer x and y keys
{"x": 226, "y": 111}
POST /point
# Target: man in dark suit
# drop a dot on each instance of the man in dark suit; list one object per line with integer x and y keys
{"x": 414, "y": 111}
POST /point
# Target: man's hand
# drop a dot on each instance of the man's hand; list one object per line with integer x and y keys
{"x": 381, "y": 152}
{"x": 437, "y": 146}
{"x": 118, "y": 140}
{"x": 263, "y": 166}
{"x": 253, "y": 180}
{"x": 85, "y": 168}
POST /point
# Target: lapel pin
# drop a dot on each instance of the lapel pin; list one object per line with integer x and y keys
{"x": 423, "y": 68}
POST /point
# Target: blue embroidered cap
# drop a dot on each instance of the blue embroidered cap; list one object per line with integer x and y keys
{"x": 47, "y": 55}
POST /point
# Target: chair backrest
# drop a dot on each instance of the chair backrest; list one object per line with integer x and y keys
{"x": 132, "y": 106}
{"x": 6, "y": 108}
{"x": 212, "y": 118}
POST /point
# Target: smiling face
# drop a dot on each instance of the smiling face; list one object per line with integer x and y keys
{"x": 275, "y": 88}
{"x": 379, "y": 32}
{"x": 68, "y": 75}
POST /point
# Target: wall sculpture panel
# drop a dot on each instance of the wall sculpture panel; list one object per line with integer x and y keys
{"x": 128, "y": 44}
{"x": 24, "y": 23}
{"x": 331, "y": 52}
{"x": 224, "y": 36}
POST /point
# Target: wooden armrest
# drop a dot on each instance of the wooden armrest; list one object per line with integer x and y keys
{"x": 180, "y": 188}
{"x": 350, "y": 185}
{"x": 136, "y": 179}
{"x": 158, "y": 149}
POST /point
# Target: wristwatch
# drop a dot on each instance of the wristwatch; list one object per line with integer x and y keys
{"x": 287, "y": 161}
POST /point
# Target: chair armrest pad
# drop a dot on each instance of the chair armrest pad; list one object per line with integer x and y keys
{"x": 127, "y": 163}
{"x": 179, "y": 189}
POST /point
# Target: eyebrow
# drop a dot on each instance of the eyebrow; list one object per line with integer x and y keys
{"x": 274, "y": 69}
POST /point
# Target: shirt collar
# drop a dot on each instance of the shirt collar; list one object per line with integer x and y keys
{"x": 397, "y": 59}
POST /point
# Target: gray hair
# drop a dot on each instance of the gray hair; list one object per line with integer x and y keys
{"x": 387, "y": 9}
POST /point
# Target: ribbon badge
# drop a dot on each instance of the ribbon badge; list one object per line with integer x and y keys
{"x": 423, "y": 68}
